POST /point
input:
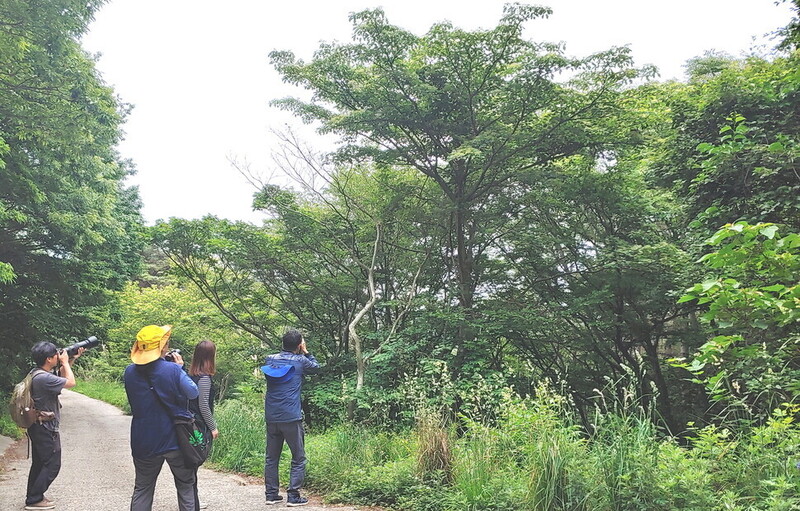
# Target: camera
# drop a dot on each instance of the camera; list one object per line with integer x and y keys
{"x": 91, "y": 342}
{"x": 169, "y": 356}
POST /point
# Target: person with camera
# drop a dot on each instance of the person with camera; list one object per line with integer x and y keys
{"x": 44, "y": 435}
{"x": 154, "y": 385}
{"x": 203, "y": 367}
{"x": 284, "y": 372}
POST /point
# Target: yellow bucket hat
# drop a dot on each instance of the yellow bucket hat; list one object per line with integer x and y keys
{"x": 149, "y": 342}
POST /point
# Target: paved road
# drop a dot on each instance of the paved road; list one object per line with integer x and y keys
{"x": 97, "y": 470}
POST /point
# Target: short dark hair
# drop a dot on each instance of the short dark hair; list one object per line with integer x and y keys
{"x": 41, "y": 351}
{"x": 291, "y": 339}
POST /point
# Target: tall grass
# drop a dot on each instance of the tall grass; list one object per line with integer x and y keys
{"x": 533, "y": 457}
{"x": 476, "y": 464}
{"x": 624, "y": 449}
{"x": 361, "y": 466}
{"x": 434, "y": 452}
{"x": 345, "y": 449}
{"x": 242, "y": 441}
{"x": 549, "y": 485}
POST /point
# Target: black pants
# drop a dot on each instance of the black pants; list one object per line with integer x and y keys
{"x": 46, "y": 462}
{"x": 147, "y": 471}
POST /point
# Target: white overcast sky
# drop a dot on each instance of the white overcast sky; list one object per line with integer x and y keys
{"x": 198, "y": 75}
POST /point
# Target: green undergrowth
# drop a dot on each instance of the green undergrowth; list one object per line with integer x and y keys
{"x": 533, "y": 457}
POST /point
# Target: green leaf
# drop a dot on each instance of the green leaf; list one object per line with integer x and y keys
{"x": 762, "y": 324}
{"x": 775, "y": 147}
{"x": 769, "y": 231}
{"x": 708, "y": 284}
{"x": 696, "y": 366}
{"x": 6, "y": 273}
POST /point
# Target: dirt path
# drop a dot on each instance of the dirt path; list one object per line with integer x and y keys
{"x": 97, "y": 470}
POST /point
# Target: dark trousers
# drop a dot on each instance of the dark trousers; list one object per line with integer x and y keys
{"x": 45, "y": 462}
{"x": 292, "y": 433}
{"x": 147, "y": 471}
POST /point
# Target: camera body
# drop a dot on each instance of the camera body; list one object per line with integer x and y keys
{"x": 169, "y": 356}
{"x": 91, "y": 342}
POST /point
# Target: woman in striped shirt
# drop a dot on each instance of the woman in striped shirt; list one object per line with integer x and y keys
{"x": 204, "y": 366}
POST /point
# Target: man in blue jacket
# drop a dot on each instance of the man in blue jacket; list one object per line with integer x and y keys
{"x": 284, "y": 372}
{"x": 153, "y": 438}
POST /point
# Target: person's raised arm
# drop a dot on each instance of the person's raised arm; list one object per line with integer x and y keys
{"x": 310, "y": 363}
{"x": 186, "y": 385}
{"x": 66, "y": 370}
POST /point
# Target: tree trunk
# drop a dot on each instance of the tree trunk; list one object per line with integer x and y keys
{"x": 361, "y": 365}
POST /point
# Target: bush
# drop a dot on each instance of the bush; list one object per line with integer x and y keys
{"x": 534, "y": 458}
{"x": 241, "y": 446}
{"x": 754, "y": 469}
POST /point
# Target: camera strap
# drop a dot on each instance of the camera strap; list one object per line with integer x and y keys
{"x": 155, "y": 393}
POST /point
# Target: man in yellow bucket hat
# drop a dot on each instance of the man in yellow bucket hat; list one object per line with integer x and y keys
{"x": 153, "y": 385}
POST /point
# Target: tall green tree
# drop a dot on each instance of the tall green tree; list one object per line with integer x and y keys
{"x": 471, "y": 111}
{"x": 68, "y": 223}
{"x": 590, "y": 270}
{"x": 322, "y": 263}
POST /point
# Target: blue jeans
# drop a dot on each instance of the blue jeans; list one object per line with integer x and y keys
{"x": 292, "y": 433}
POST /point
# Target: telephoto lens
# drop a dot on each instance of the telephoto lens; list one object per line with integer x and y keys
{"x": 91, "y": 342}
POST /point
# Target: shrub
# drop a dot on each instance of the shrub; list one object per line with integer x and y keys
{"x": 241, "y": 447}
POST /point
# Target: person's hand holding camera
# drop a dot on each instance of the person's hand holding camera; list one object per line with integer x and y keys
{"x": 63, "y": 357}
{"x": 176, "y": 357}
{"x": 77, "y": 354}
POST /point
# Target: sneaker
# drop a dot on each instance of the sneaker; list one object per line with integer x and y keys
{"x": 42, "y": 504}
{"x": 274, "y": 499}
{"x": 296, "y": 500}
{"x": 202, "y": 505}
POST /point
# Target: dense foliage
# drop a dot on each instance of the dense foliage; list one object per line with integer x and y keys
{"x": 498, "y": 214}
{"x": 68, "y": 225}
{"x": 480, "y": 216}
{"x": 753, "y": 307}
{"x": 536, "y": 459}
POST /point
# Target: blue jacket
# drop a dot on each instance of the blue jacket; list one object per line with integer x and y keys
{"x": 152, "y": 429}
{"x": 282, "y": 402}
